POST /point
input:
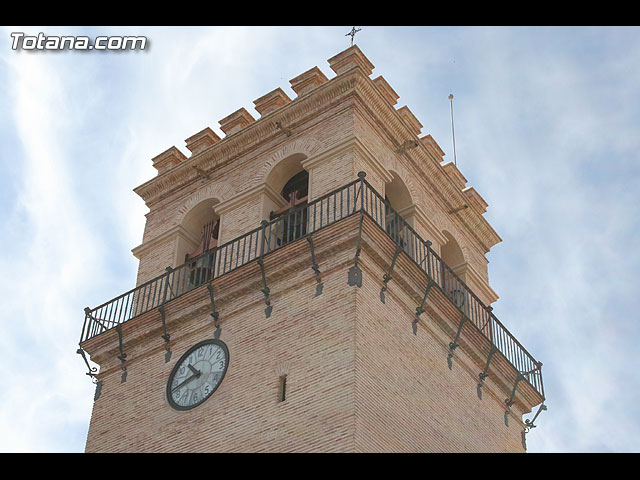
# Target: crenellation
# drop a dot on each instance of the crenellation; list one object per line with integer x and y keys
{"x": 201, "y": 140}
{"x": 236, "y": 121}
{"x": 307, "y": 81}
{"x": 168, "y": 159}
{"x": 385, "y": 89}
{"x": 432, "y": 146}
{"x": 350, "y": 58}
{"x": 455, "y": 175}
{"x": 407, "y": 115}
{"x": 271, "y": 101}
{"x": 475, "y": 200}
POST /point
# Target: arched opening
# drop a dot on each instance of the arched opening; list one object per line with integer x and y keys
{"x": 397, "y": 193}
{"x": 296, "y": 190}
{"x": 291, "y": 181}
{"x": 285, "y": 169}
{"x": 451, "y": 252}
{"x": 397, "y": 199}
{"x": 202, "y": 226}
{"x": 392, "y": 225}
{"x": 452, "y": 256}
{"x": 293, "y": 224}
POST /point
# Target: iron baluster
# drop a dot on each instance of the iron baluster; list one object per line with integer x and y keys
{"x": 360, "y": 193}
{"x": 428, "y": 257}
{"x": 168, "y": 288}
{"x": 87, "y": 311}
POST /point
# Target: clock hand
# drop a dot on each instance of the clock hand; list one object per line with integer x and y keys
{"x": 196, "y": 374}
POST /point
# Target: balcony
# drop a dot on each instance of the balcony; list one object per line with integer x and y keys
{"x": 482, "y": 328}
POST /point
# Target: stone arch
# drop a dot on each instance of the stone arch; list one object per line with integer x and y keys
{"x": 439, "y": 220}
{"x": 220, "y": 193}
{"x": 199, "y": 215}
{"x": 398, "y": 170}
{"x": 284, "y": 170}
{"x": 288, "y": 180}
{"x": 298, "y": 149}
{"x": 398, "y": 193}
{"x": 443, "y": 224}
{"x": 454, "y": 254}
{"x": 451, "y": 252}
{"x": 199, "y": 230}
{"x": 401, "y": 200}
{"x": 198, "y": 223}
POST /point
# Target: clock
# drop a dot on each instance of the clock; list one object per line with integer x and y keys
{"x": 197, "y": 374}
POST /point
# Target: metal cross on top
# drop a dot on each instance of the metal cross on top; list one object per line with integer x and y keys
{"x": 352, "y": 34}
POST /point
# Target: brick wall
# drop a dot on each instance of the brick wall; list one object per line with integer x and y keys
{"x": 357, "y": 377}
{"x": 407, "y": 399}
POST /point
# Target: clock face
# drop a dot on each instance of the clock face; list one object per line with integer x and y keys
{"x": 197, "y": 374}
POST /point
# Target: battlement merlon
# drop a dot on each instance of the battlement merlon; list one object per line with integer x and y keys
{"x": 271, "y": 101}
{"x": 235, "y": 122}
{"x": 308, "y": 81}
{"x": 168, "y": 159}
{"x": 201, "y": 140}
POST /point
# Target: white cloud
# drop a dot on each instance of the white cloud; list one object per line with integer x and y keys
{"x": 47, "y": 246}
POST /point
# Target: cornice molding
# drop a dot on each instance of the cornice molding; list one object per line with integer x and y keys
{"x": 170, "y": 234}
{"x": 352, "y": 143}
{"x": 246, "y": 195}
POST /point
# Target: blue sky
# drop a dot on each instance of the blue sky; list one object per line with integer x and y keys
{"x": 547, "y": 123}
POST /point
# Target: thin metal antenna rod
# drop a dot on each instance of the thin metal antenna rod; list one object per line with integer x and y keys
{"x": 453, "y": 133}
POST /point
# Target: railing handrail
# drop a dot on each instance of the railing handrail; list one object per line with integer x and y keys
{"x": 126, "y": 306}
{"x": 462, "y": 283}
{"x": 511, "y": 354}
{"x": 208, "y": 254}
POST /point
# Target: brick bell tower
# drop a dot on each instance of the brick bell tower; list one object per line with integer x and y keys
{"x": 315, "y": 281}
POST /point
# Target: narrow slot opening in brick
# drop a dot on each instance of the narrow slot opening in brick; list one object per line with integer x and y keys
{"x": 283, "y": 388}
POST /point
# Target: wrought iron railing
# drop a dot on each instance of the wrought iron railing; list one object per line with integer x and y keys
{"x": 443, "y": 277}
{"x": 299, "y": 222}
